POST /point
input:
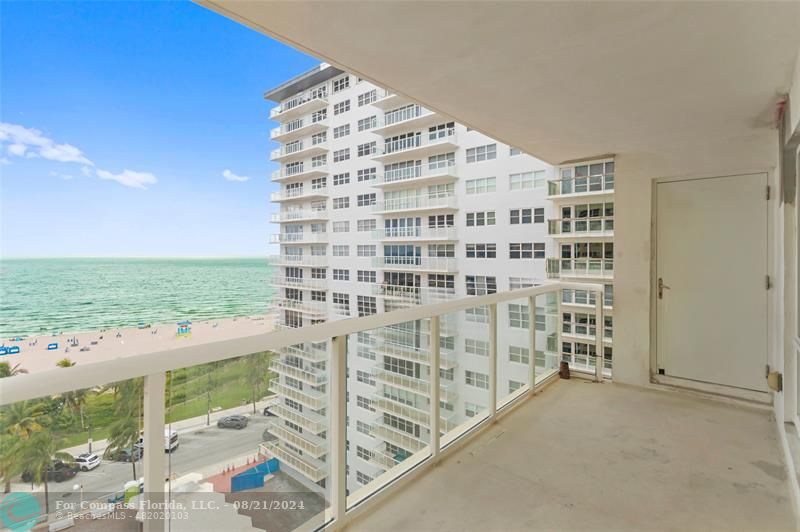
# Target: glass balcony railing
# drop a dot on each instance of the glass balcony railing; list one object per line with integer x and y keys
{"x": 417, "y": 173}
{"x": 433, "y": 264}
{"x": 300, "y": 260}
{"x": 289, "y": 194}
{"x": 298, "y": 238}
{"x": 415, "y": 203}
{"x": 581, "y": 185}
{"x": 585, "y": 267}
{"x": 595, "y": 226}
{"x": 415, "y": 232}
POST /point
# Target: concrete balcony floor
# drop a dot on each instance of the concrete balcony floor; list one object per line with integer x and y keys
{"x": 585, "y": 456}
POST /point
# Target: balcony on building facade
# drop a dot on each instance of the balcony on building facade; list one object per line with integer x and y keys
{"x": 417, "y": 232}
{"x": 580, "y": 268}
{"x": 425, "y": 264}
{"x": 308, "y": 419}
{"x": 417, "y": 295}
{"x": 388, "y": 100}
{"x": 302, "y": 283}
{"x": 586, "y": 332}
{"x": 404, "y": 118}
{"x": 305, "y": 126}
{"x": 422, "y": 173}
{"x": 307, "y": 351}
{"x": 311, "y": 445}
{"x": 305, "y": 170}
{"x": 447, "y": 390}
{"x": 585, "y": 299}
{"x": 420, "y": 145}
{"x": 382, "y": 403}
{"x": 308, "y": 397}
{"x": 301, "y": 261}
{"x": 396, "y": 436}
{"x": 305, "y": 237}
{"x": 569, "y": 187}
{"x": 416, "y": 203}
{"x": 299, "y": 194}
{"x": 299, "y": 215}
{"x": 299, "y": 150}
{"x": 314, "y": 309}
{"x": 394, "y": 346}
{"x": 300, "y": 105}
{"x": 593, "y": 227}
{"x": 314, "y": 470}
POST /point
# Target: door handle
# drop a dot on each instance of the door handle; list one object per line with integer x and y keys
{"x": 661, "y": 287}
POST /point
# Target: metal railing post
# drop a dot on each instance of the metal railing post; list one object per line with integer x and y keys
{"x": 492, "y": 361}
{"x": 532, "y": 343}
{"x": 599, "y": 331}
{"x": 154, "y": 461}
{"x": 435, "y": 391}
{"x": 338, "y": 429}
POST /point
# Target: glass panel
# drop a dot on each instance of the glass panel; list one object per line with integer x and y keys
{"x": 513, "y": 349}
{"x": 250, "y": 440}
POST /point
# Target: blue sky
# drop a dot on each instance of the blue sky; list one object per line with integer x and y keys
{"x": 119, "y": 120}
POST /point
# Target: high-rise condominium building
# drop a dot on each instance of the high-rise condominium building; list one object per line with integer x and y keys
{"x": 384, "y": 204}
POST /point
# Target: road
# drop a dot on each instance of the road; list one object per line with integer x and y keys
{"x": 203, "y": 450}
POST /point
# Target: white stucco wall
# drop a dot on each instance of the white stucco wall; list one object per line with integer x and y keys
{"x": 634, "y": 185}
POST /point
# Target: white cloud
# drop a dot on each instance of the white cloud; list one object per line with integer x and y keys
{"x": 230, "y": 176}
{"x": 4, "y": 160}
{"x": 129, "y": 178}
{"x": 29, "y": 142}
{"x": 87, "y": 171}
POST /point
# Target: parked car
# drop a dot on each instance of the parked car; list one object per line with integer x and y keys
{"x": 267, "y": 412}
{"x": 126, "y": 454}
{"x": 87, "y": 461}
{"x": 58, "y": 471}
{"x": 170, "y": 441}
{"x": 232, "y": 422}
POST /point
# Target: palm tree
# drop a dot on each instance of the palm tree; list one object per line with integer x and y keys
{"x": 18, "y": 422}
{"x": 127, "y": 414}
{"x": 65, "y": 363}
{"x": 38, "y": 454}
{"x": 257, "y": 371}
{"x": 74, "y": 401}
{"x": 7, "y": 370}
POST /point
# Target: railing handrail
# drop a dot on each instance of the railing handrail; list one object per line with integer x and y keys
{"x": 91, "y": 374}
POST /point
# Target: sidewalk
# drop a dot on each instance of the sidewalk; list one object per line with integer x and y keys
{"x": 183, "y": 426}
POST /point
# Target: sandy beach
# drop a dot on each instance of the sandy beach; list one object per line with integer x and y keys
{"x": 96, "y": 346}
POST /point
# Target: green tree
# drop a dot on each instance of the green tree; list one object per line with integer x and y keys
{"x": 7, "y": 370}
{"x": 257, "y": 372}
{"x": 127, "y": 418}
{"x": 38, "y": 454}
{"x": 18, "y": 422}
{"x": 74, "y": 401}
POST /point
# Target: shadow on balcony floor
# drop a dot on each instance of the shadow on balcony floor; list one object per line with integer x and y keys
{"x": 602, "y": 457}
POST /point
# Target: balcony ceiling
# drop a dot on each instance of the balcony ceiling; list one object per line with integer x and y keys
{"x": 559, "y": 80}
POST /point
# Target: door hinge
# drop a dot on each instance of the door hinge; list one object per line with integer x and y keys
{"x": 768, "y": 192}
{"x": 775, "y": 381}
{"x": 769, "y": 282}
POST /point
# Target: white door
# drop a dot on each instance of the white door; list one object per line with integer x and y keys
{"x": 711, "y": 257}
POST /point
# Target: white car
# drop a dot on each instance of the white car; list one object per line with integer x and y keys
{"x": 87, "y": 461}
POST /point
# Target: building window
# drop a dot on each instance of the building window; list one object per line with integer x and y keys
{"x": 318, "y": 295}
{"x": 365, "y": 200}
{"x": 341, "y": 203}
{"x": 341, "y": 303}
{"x": 319, "y": 273}
{"x": 476, "y": 347}
{"x": 538, "y": 215}
{"x": 367, "y": 123}
{"x": 363, "y": 428}
{"x": 368, "y": 148}
{"x": 518, "y": 316}
{"x": 341, "y": 131}
{"x": 477, "y": 314}
{"x": 481, "y": 251}
{"x": 367, "y": 98}
{"x": 367, "y": 276}
{"x": 479, "y": 285}
{"x": 341, "y": 251}
{"x": 445, "y": 160}
{"x": 341, "y": 107}
{"x": 363, "y": 478}
{"x": 513, "y": 386}
{"x": 471, "y": 409}
{"x": 515, "y": 283}
{"x": 520, "y": 250}
{"x": 367, "y": 174}
{"x": 441, "y": 280}
{"x": 521, "y": 216}
{"x": 442, "y": 250}
{"x": 527, "y": 180}
{"x": 441, "y": 220}
{"x": 481, "y": 153}
{"x": 474, "y": 378}
{"x": 513, "y": 151}
{"x": 341, "y": 179}
{"x": 341, "y": 275}
{"x": 319, "y": 160}
{"x": 341, "y": 84}
{"x": 367, "y": 250}
{"x": 341, "y": 226}
{"x": 480, "y": 218}
{"x": 365, "y": 403}
{"x": 518, "y": 354}
{"x": 365, "y": 377}
{"x": 367, "y": 306}
{"x": 319, "y": 183}
{"x": 319, "y": 116}
{"x": 441, "y": 131}
{"x": 481, "y": 185}
{"x": 366, "y": 225}
{"x": 341, "y": 155}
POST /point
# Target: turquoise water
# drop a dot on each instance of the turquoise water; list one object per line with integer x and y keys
{"x": 43, "y": 295}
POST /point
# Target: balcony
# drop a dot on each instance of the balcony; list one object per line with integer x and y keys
{"x": 307, "y": 397}
{"x": 418, "y": 295}
{"x": 397, "y": 437}
{"x": 315, "y": 309}
{"x": 419, "y": 386}
{"x": 595, "y": 185}
{"x": 415, "y": 233}
{"x": 315, "y": 471}
{"x": 423, "y": 264}
{"x": 299, "y": 238}
{"x": 301, "y": 127}
{"x": 416, "y": 146}
{"x": 418, "y": 174}
{"x": 405, "y": 118}
{"x": 580, "y": 268}
{"x": 299, "y": 194}
{"x": 302, "y": 150}
{"x": 594, "y": 227}
{"x": 298, "y": 106}
{"x": 305, "y": 171}
{"x": 299, "y": 215}
{"x": 304, "y": 261}
{"x": 388, "y": 100}
{"x": 310, "y": 421}
{"x": 416, "y": 415}
{"x": 416, "y": 203}
{"x": 303, "y": 283}
{"x": 311, "y": 445}
{"x": 308, "y": 351}
{"x": 396, "y": 348}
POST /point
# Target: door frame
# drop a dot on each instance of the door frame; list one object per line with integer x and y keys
{"x": 774, "y": 334}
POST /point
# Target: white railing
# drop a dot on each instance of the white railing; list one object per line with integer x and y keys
{"x": 594, "y": 226}
{"x": 403, "y": 114}
{"x": 428, "y": 233}
{"x": 417, "y": 171}
{"x": 306, "y": 283}
{"x": 298, "y": 193}
{"x": 153, "y": 365}
{"x": 300, "y": 214}
{"x": 305, "y": 169}
{"x": 299, "y": 100}
{"x": 418, "y": 294}
{"x": 310, "y": 261}
{"x": 416, "y": 203}
{"x": 305, "y": 236}
{"x": 415, "y": 141}
{"x": 584, "y": 267}
{"x": 437, "y": 264}
{"x": 297, "y": 149}
{"x": 580, "y": 185}
{"x": 309, "y": 307}
{"x": 298, "y": 126}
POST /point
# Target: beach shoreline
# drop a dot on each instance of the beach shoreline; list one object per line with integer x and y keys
{"x": 117, "y": 342}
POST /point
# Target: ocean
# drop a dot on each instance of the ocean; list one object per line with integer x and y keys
{"x": 39, "y": 296}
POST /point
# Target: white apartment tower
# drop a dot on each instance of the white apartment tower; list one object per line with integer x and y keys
{"x": 384, "y": 204}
